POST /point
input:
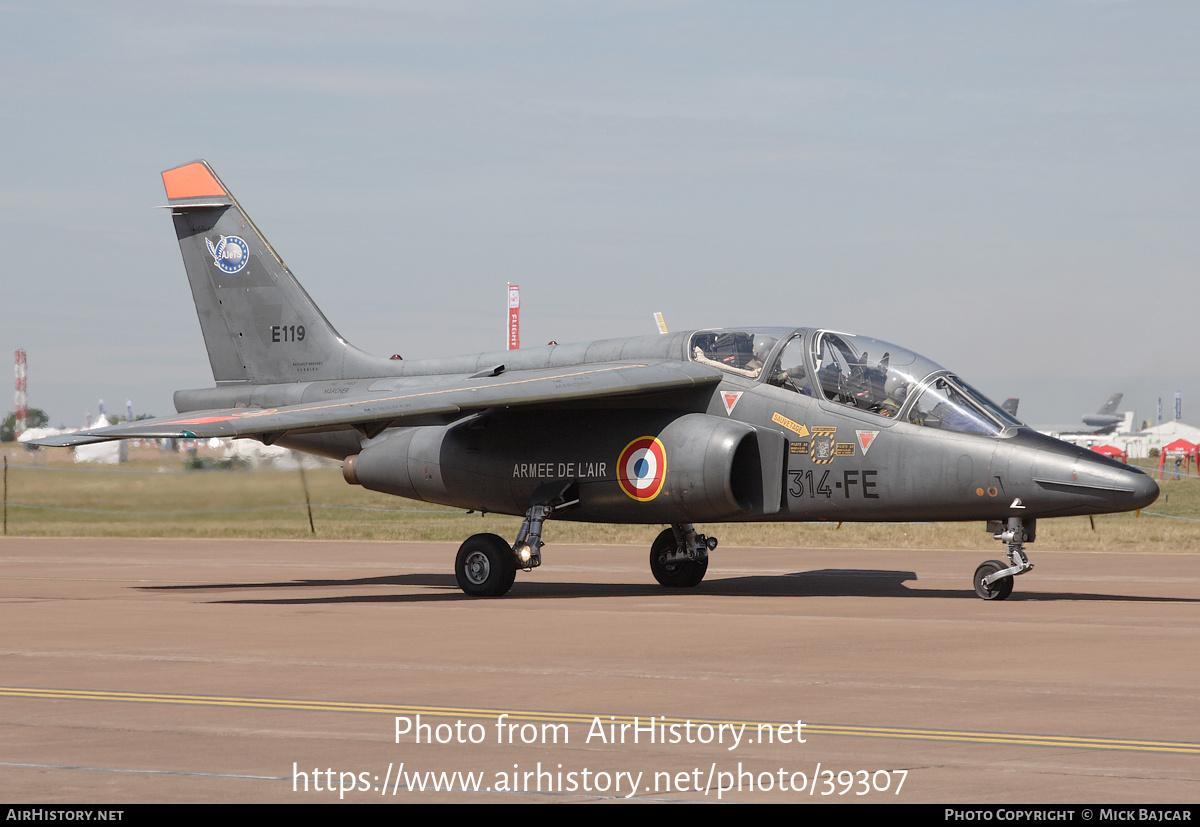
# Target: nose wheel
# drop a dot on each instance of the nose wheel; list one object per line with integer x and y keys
{"x": 994, "y": 579}
{"x": 988, "y": 586}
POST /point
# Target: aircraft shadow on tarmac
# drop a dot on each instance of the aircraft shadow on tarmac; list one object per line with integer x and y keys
{"x": 819, "y": 583}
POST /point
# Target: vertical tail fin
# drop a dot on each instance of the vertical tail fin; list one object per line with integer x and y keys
{"x": 259, "y": 324}
{"x": 1110, "y": 406}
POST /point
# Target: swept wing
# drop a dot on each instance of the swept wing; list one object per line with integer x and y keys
{"x": 393, "y": 400}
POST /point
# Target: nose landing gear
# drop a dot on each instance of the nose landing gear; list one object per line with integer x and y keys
{"x": 994, "y": 579}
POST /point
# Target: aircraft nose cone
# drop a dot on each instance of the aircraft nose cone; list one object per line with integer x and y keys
{"x": 1070, "y": 479}
{"x": 1145, "y": 489}
{"x": 1131, "y": 487}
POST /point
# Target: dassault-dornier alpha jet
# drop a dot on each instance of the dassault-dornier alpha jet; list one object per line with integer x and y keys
{"x": 728, "y": 425}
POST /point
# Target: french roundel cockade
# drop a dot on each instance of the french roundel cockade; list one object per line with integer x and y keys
{"x": 642, "y": 468}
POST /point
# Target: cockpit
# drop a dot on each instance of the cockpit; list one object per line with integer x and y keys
{"x": 856, "y": 371}
{"x": 741, "y": 352}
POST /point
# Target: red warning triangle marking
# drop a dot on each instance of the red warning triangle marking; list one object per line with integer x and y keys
{"x": 730, "y": 399}
{"x": 865, "y": 440}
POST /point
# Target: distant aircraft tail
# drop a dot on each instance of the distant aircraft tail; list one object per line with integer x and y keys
{"x": 1110, "y": 407}
{"x": 259, "y": 324}
{"x": 1010, "y": 406}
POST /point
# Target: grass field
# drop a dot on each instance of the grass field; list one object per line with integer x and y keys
{"x": 47, "y": 494}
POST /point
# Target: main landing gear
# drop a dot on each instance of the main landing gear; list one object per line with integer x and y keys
{"x": 679, "y": 556}
{"x": 487, "y": 565}
{"x": 994, "y": 579}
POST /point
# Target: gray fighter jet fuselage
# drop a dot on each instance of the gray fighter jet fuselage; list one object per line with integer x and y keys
{"x": 728, "y": 425}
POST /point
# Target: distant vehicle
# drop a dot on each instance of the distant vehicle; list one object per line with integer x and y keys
{"x": 1009, "y": 406}
{"x": 1106, "y": 417}
{"x": 717, "y": 425}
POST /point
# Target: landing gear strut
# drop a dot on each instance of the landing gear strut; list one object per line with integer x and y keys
{"x": 679, "y": 556}
{"x": 994, "y": 579}
{"x": 487, "y": 565}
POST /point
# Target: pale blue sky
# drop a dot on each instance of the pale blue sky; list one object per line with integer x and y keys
{"x": 1007, "y": 188}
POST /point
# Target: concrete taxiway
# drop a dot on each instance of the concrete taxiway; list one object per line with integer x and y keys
{"x": 242, "y": 671}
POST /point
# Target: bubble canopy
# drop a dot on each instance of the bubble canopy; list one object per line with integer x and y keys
{"x": 857, "y": 371}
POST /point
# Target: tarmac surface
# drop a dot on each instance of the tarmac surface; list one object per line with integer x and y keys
{"x": 243, "y": 670}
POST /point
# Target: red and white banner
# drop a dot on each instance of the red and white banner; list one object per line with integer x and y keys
{"x": 514, "y": 317}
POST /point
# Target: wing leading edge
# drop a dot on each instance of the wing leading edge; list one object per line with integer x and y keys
{"x": 413, "y": 398}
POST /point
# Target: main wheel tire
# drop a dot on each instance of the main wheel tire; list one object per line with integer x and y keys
{"x": 512, "y": 578}
{"x": 683, "y": 574}
{"x": 1000, "y": 589}
{"x": 485, "y": 566}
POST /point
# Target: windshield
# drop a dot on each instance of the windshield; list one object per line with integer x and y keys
{"x": 943, "y": 405}
{"x": 952, "y": 404}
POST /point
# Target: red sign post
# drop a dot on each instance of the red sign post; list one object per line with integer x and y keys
{"x": 514, "y": 317}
